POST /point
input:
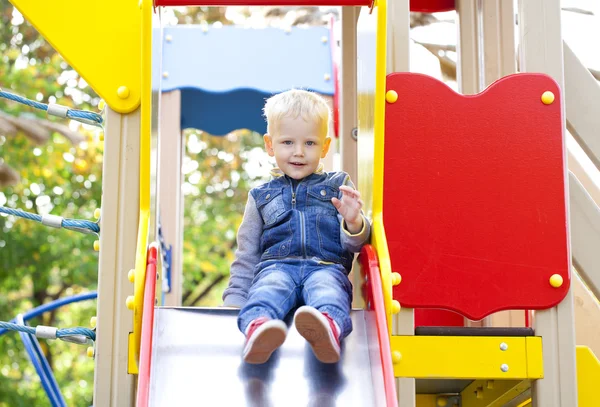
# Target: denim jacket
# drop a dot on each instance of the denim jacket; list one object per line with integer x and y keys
{"x": 294, "y": 219}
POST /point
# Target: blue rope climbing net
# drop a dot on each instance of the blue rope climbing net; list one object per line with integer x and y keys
{"x": 74, "y": 114}
{"x": 83, "y": 226}
{"x": 64, "y": 333}
{"x": 32, "y": 345}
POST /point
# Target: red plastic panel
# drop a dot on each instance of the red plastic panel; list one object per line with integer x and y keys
{"x": 263, "y": 2}
{"x": 432, "y": 6}
{"x": 474, "y": 195}
{"x": 437, "y": 317}
{"x": 372, "y": 291}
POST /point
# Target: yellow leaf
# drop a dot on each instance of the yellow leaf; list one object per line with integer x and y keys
{"x": 207, "y": 267}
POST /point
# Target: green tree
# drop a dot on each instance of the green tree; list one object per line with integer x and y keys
{"x": 217, "y": 181}
{"x": 39, "y": 264}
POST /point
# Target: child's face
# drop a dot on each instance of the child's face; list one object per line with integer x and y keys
{"x": 297, "y": 146}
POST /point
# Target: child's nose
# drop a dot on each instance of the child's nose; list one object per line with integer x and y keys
{"x": 299, "y": 150}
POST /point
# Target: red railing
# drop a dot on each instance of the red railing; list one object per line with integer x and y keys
{"x": 143, "y": 388}
{"x": 373, "y": 293}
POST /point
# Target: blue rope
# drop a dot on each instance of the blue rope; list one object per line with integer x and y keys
{"x": 83, "y": 226}
{"x": 56, "y": 304}
{"x": 60, "y": 333}
{"x": 79, "y": 115}
{"x": 40, "y": 363}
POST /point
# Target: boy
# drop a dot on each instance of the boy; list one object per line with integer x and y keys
{"x": 297, "y": 238}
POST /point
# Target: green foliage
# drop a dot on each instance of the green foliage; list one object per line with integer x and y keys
{"x": 219, "y": 172}
{"x": 39, "y": 264}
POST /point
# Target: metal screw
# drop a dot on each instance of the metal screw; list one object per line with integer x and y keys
{"x": 354, "y": 134}
{"x": 504, "y": 367}
{"x": 503, "y": 346}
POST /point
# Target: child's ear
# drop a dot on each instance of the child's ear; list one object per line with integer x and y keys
{"x": 326, "y": 144}
{"x": 269, "y": 145}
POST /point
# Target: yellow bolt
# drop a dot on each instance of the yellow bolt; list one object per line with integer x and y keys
{"x": 490, "y": 384}
{"x": 288, "y": 30}
{"x": 396, "y": 278}
{"x": 324, "y": 39}
{"x": 547, "y": 97}
{"x": 97, "y": 245}
{"x": 395, "y": 307}
{"x": 204, "y": 28}
{"x": 556, "y": 280}
{"x": 396, "y": 357}
{"x": 131, "y": 275}
{"x": 97, "y": 213}
{"x": 101, "y": 105}
{"x": 391, "y": 96}
{"x": 130, "y": 302}
{"x": 165, "y": 75}
{"x": 442, "y": 402}
{"x": 123, "y": 92}
{"x": 90, "y": 352}
{"x": 93, "y": 322}
{"x": 327, "y": 77}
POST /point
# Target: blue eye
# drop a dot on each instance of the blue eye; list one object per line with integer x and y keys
{"x": 310, "y": 143}
{"x": 288, "y": 142}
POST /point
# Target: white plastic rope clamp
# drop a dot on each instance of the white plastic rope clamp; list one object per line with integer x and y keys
{"x": 52, "y": 220}
{"x": 46, "y": 332}
{"x": 57, "y": 110}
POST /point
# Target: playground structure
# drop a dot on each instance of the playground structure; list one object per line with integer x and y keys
{"x": 473, "y": 207}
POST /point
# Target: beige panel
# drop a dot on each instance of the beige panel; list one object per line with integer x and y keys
{"x": 587, "y": 316}
{"x": 542, "y": 51}
{"x": 169, "y": 188}
{"x": 585, "y": 227}
{"x": 497, "y": 22}
{"x": 582, "y": 95}
{"x": 348, "y": 103}
{"x": 468, "y": 74}
{"x": 113, "y": 386}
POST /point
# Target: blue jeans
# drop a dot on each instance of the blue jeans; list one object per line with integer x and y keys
{"x": 282, "y": 285}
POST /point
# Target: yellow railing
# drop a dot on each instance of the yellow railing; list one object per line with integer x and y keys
{"x": 144, "y": 217}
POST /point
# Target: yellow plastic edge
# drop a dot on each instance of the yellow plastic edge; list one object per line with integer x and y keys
{"x": 588, "y": 376}
{"x": 108, "y": 59}
{"x": 535, "y": 360}
{"x": 493, "y": 393}
{"x": 426, "y": 400}
{"x": 379, "y": 239}
{"x": 427, "y": 357}
{"x": 144, "y": 217}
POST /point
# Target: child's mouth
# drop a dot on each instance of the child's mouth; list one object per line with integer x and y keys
{"x": 297, "y": 164}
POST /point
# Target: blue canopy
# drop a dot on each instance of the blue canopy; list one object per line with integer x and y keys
{"x": 225, "y": 74}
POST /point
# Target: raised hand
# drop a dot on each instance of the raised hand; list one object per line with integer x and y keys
{"x": 349, "y": 207}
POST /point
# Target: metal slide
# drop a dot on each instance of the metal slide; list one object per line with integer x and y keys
{"x": 196, "y": 361}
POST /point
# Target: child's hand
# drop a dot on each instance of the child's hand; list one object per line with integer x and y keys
{"x": 349, "y": 207}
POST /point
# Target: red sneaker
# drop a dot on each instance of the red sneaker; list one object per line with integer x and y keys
{"x": 263, "y": 337}
{"x": 320, "y": 331}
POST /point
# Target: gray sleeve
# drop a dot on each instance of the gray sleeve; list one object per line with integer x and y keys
{"x": 247, "y": 256}
{"x": 350, "y": 242}
{"x": 353, "y": 243}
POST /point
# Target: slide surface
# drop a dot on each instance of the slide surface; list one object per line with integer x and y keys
{"x": 196, "y": 360}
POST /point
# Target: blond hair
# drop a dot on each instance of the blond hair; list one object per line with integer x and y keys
{"x": 294, "y": 103}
